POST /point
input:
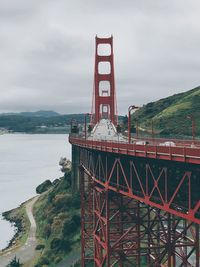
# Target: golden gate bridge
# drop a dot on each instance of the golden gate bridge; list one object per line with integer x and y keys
{"x": 140, "y": 201}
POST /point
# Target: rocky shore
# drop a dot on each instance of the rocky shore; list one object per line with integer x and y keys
{"x": 17, "y": 223}
{"x": 23, "y": 244}
{"x": 18, "y": 218}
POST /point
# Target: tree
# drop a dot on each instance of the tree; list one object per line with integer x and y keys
{"x": 14, "y": 263}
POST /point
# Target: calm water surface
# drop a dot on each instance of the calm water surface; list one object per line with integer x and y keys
{"x": 26, "y": 161}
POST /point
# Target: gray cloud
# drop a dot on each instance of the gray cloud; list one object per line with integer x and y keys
{"x": 47, "y": 51}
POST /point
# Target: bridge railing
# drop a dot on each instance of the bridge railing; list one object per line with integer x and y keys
{"x": 178, "y": 142}
{"x": 180, "y": 152}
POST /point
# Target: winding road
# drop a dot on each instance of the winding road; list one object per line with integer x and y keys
{"x": 27, "y": 251}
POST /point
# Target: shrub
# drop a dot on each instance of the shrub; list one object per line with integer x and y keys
{"x": 68, "y": 179}
{"x": 47, "y": 231}
{"x": 55, "y": 182}
{"x": 76, "y": 201}
{"x": 77, "y": 219}
{"x": 57, "y": 259}
{"x": 43, "y": 187}
{"x": 14, "y": 263}
{"x": 61, "y": 201}
{"x": 43, "y": 261}
{"x": 69, "y": 227}
{"x": 65, "y": 245}
{"x": 50, "y": 197}
{"x": 60, "y": 244}
{"x": 39, "y": 247}
{"x": 55, "y": 243}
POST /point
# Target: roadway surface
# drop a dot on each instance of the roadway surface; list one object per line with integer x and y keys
{"x": 26, "y": 252}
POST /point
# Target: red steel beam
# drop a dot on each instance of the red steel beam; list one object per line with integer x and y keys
{"x": 128, "y": 233}
{"x": 153, "y": 189}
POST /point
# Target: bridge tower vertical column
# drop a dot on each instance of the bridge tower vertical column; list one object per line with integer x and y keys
{"x": 105, "y": 98}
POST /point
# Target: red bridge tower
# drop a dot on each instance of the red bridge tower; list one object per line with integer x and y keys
{"x": 105, "y": 98}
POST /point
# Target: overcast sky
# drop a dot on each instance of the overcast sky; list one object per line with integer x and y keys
{"x": 47, "y": 51}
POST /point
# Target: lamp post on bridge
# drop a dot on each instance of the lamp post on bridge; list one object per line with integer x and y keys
{"x": 85, "y": 123}
{"x": 192, "y": 118}
{"x": 74, "y": 126}
{"x": 130, "y": 108}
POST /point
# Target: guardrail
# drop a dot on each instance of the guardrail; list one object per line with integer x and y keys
{"x": 180, "y": 152}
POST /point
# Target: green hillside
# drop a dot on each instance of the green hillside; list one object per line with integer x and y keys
{"x": 170, "y": 114}
{"x": 57, "y": 213}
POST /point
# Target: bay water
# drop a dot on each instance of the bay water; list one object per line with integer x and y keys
{"x": 26, "y": 160}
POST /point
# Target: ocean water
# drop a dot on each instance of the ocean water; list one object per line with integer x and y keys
{"x": 25, "y": 161}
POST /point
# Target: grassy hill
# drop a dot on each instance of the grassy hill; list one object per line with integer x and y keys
{"x": 170, "y": 114}
{"x": 57, "y": 214}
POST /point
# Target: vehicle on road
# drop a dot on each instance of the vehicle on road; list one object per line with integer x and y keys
{"x": 167, "y": 143}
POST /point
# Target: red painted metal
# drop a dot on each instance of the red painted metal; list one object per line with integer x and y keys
{"x": 140, "y": 204}
{"x": 155, "y": 151}
{"x": 102, "y": 101}
{"x": 172, "y": 188}
{"x": 126, "y": 232}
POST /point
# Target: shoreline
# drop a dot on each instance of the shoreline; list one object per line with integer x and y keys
{"x": 24, "y": 244}
{"x": 16, "y": 230}
{"x": 17, "y": 217}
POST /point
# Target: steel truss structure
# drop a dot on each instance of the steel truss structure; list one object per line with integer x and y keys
{"x": 120, "y": 229}
{"x": 140, "y": 204}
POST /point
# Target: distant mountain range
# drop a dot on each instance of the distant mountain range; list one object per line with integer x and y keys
{"x": 40, "y": 113}
{"x": 38, "y": 122}
{"x": 171, "y": 115}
